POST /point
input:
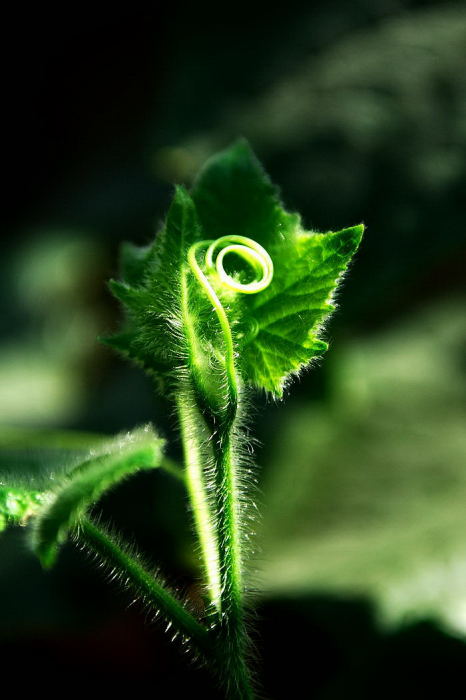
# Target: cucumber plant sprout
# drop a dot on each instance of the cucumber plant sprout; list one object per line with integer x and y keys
{"x": 231, "y": 297}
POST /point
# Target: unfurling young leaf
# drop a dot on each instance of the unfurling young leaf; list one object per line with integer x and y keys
{"x": 277, "y": 332}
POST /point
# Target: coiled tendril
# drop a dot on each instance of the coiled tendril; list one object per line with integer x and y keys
{"x": 249, "y": 251}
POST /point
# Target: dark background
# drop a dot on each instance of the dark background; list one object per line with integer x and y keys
{"x": 357, "y": 111}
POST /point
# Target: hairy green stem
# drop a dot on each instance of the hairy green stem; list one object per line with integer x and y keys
{"x": 232, "y": 631}
{"x": 143, "y": 582}
{"x": 191, "y": 428}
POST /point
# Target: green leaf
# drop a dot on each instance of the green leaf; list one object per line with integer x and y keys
{"x": 86, "y": 483}
{"x": 170, "y": 321}
{"x": 234, "y": 196}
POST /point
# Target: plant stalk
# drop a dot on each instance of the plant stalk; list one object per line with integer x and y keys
{"x": 143, "y": 583}
{"x": 232, "y": 631}
{"x": 192, "y": 428}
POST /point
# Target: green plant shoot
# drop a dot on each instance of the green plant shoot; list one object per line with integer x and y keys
{"x": 231, "y": 296}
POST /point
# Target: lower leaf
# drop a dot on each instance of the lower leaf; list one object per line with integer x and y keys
{"x": 83, "y": 486}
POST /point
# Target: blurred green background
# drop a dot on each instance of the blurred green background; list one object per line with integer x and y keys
{"x": 358, "y": 111}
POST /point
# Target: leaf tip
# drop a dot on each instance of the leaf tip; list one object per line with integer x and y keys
{"x": 348, "y": 240}
{"x": 358, "y": 232}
